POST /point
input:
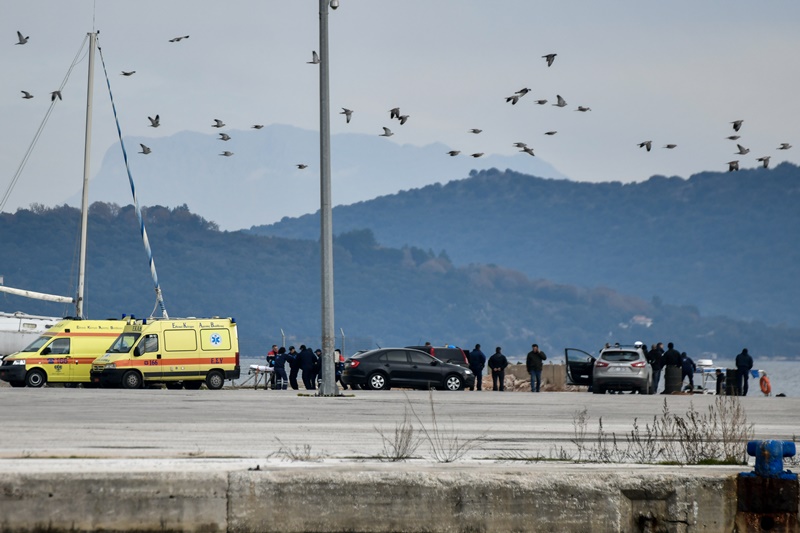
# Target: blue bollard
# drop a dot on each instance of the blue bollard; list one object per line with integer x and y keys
{"x": 769, "y": 456}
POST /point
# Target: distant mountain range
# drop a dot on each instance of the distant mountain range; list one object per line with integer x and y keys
{"x": 261, "y": 183}
{"x": 383, "y": 295}
{"x": 726, "y": 243}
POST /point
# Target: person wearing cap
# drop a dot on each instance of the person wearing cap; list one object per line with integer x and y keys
{"x": 534, "y": 363}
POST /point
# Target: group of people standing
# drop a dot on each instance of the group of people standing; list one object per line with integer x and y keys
{"x": 305, "y": 361}
{"x": 660, "y": 359}
{"x": 497, "y": 366}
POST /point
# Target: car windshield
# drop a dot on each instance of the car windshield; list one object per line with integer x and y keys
{"x": 35, "y": 345}
{"x": 124, "y": 343}
{"x": 620, "y": 357}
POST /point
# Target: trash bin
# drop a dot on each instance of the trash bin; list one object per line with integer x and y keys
{"x": 672, "y": 379}
{"x": 731, "y": 385}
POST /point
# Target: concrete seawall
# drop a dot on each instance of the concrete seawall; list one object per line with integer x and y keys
{"x": 374, "y": 497}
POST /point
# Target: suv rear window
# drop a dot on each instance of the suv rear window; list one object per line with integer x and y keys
{"x": 620, "y": 357}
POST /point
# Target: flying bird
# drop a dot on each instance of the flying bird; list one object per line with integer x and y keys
{"x": 453, "y": 153}
{"x": 394, "y": 112}
{"x": 26, "y": 95}
{"x": 178, "y": 39}
{"x": 513, "y": 99}
{"x": 128, "y": 72}
{"x": 301, "y": 166}
{"x": 670, "y": 146}
{"x": 218, "y": 123}
{"x": 477, "y": 131}
{"x": 733, "y": 165}
{"x": 155, "y": 122}
{"x": 386, "y": 132}
{"x": 541, "y": 102}
{"x": 549, "y": 58}
{"x": 226, "y": 153}
{"x": 646, "y": 144}
{"x": 520, "y": 145}
{"x": 476, "y": 155}
{"x": 224, "y": 137}
{"x": 402, "y": 119}
{"x": 784, "y": 146}
{"x": 145, "y": 149}
{"x": 742, "y": 150}
{"x": 348, "y": 114}
{"x": 22, "y": 40}
{"x": 257, "y": 126}
{"x": 561, "y": 102}
{"x": 732, "y": 137}
{"x": 523, "y": 91}
{"x": 737, "y": 124}
{"x": 528, "y": 150}
{"x": 764, "y": 161}
{"x": 583, "y": 109}
{"x": 550, "y": 132}
{"x": 54, "y": 95}
{"x": 314, "y": 58}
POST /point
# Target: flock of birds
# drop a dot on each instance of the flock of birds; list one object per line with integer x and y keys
{"x": 741, "y": 150}
{"x": 395, "y": 114}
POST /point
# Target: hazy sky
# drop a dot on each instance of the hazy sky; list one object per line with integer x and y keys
{"x": 671, "y": 72}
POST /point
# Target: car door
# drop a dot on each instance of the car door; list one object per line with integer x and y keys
{"x": 56, "y": 360}
{"x": 427, "y": 371}
{"x": 396, "y": 365}
{"x": 580, "y": 366}
{"x": 147, "y": 357}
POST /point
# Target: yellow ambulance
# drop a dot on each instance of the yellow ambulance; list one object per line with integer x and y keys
{"x": 63, "y": 354}
{"x": 178, "y": 352}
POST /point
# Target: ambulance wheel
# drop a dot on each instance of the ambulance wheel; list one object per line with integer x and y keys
{"x": 192, "y": 385}
{"x": 131, "y": 380}
{"x": 171, "y": 385}
{"x": 215, "y": 380}
{"x": 35, "y": 378}
{"x": 17, "y": 383}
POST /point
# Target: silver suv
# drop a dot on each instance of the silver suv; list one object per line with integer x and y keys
{"x": 622, "y": 368}
{"x": 617, "y": 368}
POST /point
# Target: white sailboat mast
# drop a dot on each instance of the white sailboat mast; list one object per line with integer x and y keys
{"x": 86, "y": 168}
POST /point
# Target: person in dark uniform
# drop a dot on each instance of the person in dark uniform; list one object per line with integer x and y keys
{"x": 305, "y": 361}
{"x": 687, "y": 370}
{"x": 477, "y": 360}
{"x": 744, "y": 363}
{"x": 294, "y": 367}
{"x": 655, "y": 358}
{"x": 498, "y": 363}
{"x": 534, "y": 363}
{"x": 281, "y": 381}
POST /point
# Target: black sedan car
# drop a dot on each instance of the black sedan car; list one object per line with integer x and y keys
{"x": 402, "y": 367}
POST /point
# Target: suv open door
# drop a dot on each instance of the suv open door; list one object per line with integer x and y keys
{"x": 580, "y": 366}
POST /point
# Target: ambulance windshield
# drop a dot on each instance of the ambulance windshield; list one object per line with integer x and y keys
{"x": 124, "y": 343}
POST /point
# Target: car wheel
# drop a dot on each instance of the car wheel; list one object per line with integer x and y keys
{"x": 215, "y": 380}
{"x": 377, "y": 381}
{"x": 453, "y": 383}
{"x": 17, "y": 383}
{"x": 131, "y": 380}
{"x": 192, "y": 385}
{"x": 35, "y": 378}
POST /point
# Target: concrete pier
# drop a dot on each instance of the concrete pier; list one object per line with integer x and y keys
{"x": 245, "y": 460}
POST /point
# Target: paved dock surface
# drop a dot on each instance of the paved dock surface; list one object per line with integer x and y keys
{"x": 255, "y": 460}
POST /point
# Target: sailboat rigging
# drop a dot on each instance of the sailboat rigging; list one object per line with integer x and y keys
{"x": 19, "y": 329}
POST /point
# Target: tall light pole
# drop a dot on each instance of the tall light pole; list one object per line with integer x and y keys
{"x": 328, "y": 383}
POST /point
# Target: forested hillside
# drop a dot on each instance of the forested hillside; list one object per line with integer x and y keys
{"x": 383, "y": 296}
{"x": 724, "y": 242}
